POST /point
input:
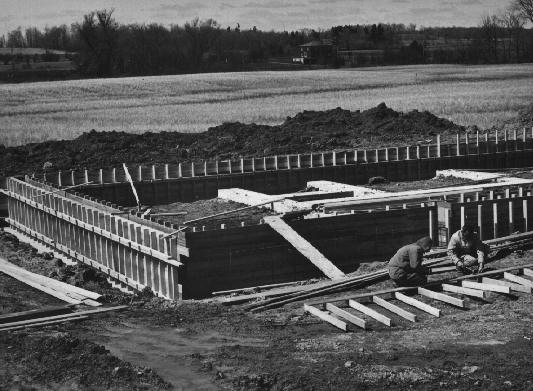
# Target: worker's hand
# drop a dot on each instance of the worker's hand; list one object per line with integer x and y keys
{"x": 459, "y": 265}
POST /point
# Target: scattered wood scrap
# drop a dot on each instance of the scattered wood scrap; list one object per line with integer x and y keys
{"x": 63, "y": 291}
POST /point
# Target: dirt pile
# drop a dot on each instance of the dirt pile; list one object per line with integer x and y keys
{"x": 65, "y": 362}
{"x": 525, "y": 116}
{"x": 306, "y": 132}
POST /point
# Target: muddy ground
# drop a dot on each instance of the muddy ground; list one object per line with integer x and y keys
{"x": 206, "y": 346}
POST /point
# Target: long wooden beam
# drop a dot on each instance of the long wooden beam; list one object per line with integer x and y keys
{"x": 52, "y": 292}
{"x": 394, "y": 308}
{"x": 517, "y": 279}
{"x": 304, "y": 247}
{"x": 463, "y": 291}
{"x": 57, "y": 317}
{"x": 417, "y": 304}
{"x": 441, "y": 297}
{"x": 370, "y": 312}
{"x": 513, "y": 286}
{"x": 47, "y": 323}
{"x": 50, "y": 282}
{"x": 346, "y": 315}
{"x": 486, "y": 287}
{"x": 63, "y": 189}
{"x": 32, "y": 314}
{"x": 326, "y": 317}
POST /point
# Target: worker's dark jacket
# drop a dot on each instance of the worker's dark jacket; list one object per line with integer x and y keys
{"x": 407, "y": 260}
{"x": 459, "y": 247}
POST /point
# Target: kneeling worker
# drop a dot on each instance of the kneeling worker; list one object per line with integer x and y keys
{"x": 467, "y": 251}
{"x": 405, "y": 267}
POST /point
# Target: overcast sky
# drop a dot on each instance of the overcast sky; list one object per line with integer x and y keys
{"x": 265, "y": 14}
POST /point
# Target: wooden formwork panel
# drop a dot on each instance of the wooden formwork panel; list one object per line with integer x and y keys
{"x": 129, "y": 252}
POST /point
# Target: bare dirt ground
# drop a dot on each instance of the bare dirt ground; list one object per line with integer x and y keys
{"x": 211, "y": 207}
{"x": 206, "y": 346}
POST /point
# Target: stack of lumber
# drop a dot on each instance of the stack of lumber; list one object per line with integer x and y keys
{"x": 47, "y": 320}
{"x": 438, "y": 263}
{"x": 63, "y": 291}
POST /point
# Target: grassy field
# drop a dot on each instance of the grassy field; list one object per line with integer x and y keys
{"x": 478, "y": 95}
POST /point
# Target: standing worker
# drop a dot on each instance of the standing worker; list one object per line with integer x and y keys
{"x": 467, "y": 251}
{"x": 405, "y": 267}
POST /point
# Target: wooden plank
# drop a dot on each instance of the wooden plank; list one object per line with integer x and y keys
{"x": 346, "y": 315}
{"x": 528, "y": 272}
{"x": 370, "y": 312}
{"x": 514, "y": 287}
{"x": 444, "y": 269}
{"x": 326, "y": 317}
{"x": 31, "y": 314}
{"x": 517, "y": 279}
{"x": 441, "y": 297}
{"x": 48, "y": 323}
{"x": 50, "y": 291}
{"x": 51, "y": 282}
{"x": 463, "y": 291}
{"x": 304, "y": 247}
{"x": 56, "y": 317}
{"x": 417, "y": 304}
{"x": 486, "y": 287}
{"x": 394, "y": 308}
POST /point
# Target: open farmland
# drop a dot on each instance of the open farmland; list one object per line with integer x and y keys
{"x": 482, "y": 95}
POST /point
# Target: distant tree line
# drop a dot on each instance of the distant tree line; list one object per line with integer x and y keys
{"x": 107, "y": 48}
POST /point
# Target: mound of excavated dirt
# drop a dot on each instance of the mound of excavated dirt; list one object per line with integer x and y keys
{"x": 309, "y": 131}
{"x": 64, "y": 362}
{"x": 525, "y": 116}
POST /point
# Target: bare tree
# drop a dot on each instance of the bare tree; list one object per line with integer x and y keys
{"x": 99, "y": 34}
{"x": 490, "y": 27}
{"x": 15, "y": 39}
{"x": 525, "y": 7}
{"x": 513, "y": 22}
